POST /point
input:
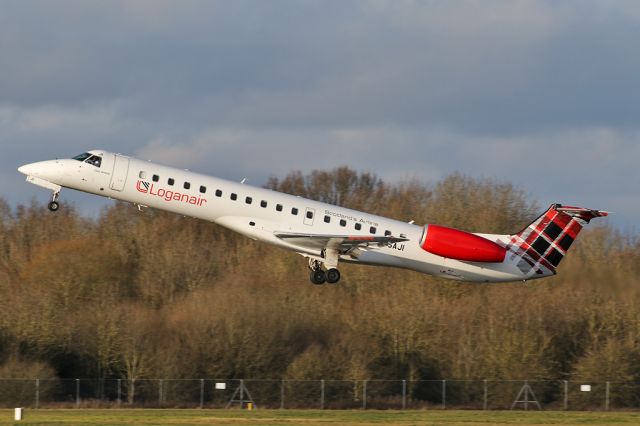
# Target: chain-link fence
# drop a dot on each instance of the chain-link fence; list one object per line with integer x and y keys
{"x": 321, "y": 394}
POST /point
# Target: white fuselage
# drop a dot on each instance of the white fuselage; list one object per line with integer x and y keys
{"x": 259, "y": 213}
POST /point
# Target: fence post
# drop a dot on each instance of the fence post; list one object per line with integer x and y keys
{"x": 566, "y": 395}
{"x": 606, "y": 402}
{"x": 444, "y": 394}
{"x": 322, "y": 394}
{"x": 364, "y": 394}
{"x": 160, "y": 393}
{"x": 404, "y": 394}
{"x": 77, "y": 393}
{"x": 282, "y": 394}
{"x": 37, "y": 393}
{"x": 241, "y": 394}
{"x": 486, "y": 392}
{"x": 119, "y": 392}
{"x": 201, "y": 393}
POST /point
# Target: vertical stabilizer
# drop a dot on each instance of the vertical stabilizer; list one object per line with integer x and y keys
{"x": 543, "y": 244}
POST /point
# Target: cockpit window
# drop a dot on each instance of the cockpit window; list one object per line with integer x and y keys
{"x": 87, "y": 157}
{"x": 82, "y": 157}
{"x": 94, "y": 160}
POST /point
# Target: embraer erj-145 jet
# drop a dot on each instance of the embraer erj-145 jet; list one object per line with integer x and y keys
{"x": 323, "y": 233}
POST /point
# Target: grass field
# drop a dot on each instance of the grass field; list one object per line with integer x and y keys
{"x": 314, "y": 417}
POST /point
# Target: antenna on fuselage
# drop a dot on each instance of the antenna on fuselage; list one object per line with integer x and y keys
{"x": 243, "y": 180}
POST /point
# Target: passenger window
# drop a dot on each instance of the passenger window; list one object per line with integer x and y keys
{"x": 372, "y": 229}
{"x": 358, "y": 226}
{"x": 279, "y": 207}
{"x": 155, "y": 178}
{"x": 387, "y": 233}
{"x": 248, "y": 200}
{"x": 234, "y": 197}
{"x": 203, "y": 189}
{"x": 343, "y": 222}
{"x": 187, "y": 185}
{"x": 327, "y": 219}
{"x": 171, "y": 181}
{"x": 218, "y": 193}
{"x": 294, "y": 211}
{"x": 309, "y": 214}
{"x": 263, "y": 204}
{"x": 142, "y": 175}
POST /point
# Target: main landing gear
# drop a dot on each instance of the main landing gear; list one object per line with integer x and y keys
{"x": 54, "y": 205}
{"x": 319, "y": 276}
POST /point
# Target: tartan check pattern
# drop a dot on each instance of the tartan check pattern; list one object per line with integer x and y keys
{"x": 543, "y": 244}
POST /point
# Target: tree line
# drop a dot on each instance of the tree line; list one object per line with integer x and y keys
{"x": 136, "y": 295}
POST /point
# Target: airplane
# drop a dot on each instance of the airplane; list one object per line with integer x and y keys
{"x": 325, "y": 234}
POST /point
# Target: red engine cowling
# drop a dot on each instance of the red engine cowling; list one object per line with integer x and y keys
{"x": 460, "y": 245}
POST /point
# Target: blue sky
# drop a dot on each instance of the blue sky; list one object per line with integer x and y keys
{"x": 543, "y": 94}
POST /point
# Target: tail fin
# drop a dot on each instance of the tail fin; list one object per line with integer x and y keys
{"x": 543, "y": 244}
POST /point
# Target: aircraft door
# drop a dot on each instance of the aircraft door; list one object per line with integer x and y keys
{"x": 119, "y": 174}
{"x": 308, "y": 216}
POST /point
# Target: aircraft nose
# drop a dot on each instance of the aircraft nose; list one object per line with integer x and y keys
{"x": 27, "y": 169}
{"x": 50, "y": 170}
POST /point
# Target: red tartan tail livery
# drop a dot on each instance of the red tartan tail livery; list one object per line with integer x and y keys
{"x": 323, "y": 233}
{"x": 543, "y": 244}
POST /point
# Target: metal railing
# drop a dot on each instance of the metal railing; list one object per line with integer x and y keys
{"x": 321, "y": 394}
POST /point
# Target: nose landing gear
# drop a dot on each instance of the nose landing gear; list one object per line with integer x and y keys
{"x": 54, "y": 205}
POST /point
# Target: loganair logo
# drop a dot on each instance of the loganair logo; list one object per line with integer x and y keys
{"x": 142, "y": 186}
{"x": 169, "y": 195}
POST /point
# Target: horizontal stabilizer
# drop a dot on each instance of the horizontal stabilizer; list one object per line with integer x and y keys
{"x": 581, "y": 212}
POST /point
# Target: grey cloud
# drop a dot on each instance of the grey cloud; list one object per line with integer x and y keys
{"x": 541, "y": 93}
{"x": 491, "y": 67}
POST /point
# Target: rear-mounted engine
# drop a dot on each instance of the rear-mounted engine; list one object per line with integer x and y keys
{"x": 455, "y": 244}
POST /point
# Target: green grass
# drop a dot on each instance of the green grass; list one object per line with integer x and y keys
{"x": 313, "y": 417}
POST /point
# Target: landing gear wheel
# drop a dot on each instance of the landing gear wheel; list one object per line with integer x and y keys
{"x": 318, "y": 277}
{"x": 333, "y": 276}
{"x": 53, "y": 205}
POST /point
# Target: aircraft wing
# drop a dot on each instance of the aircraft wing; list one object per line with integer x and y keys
{"x": 341, "y": 243}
